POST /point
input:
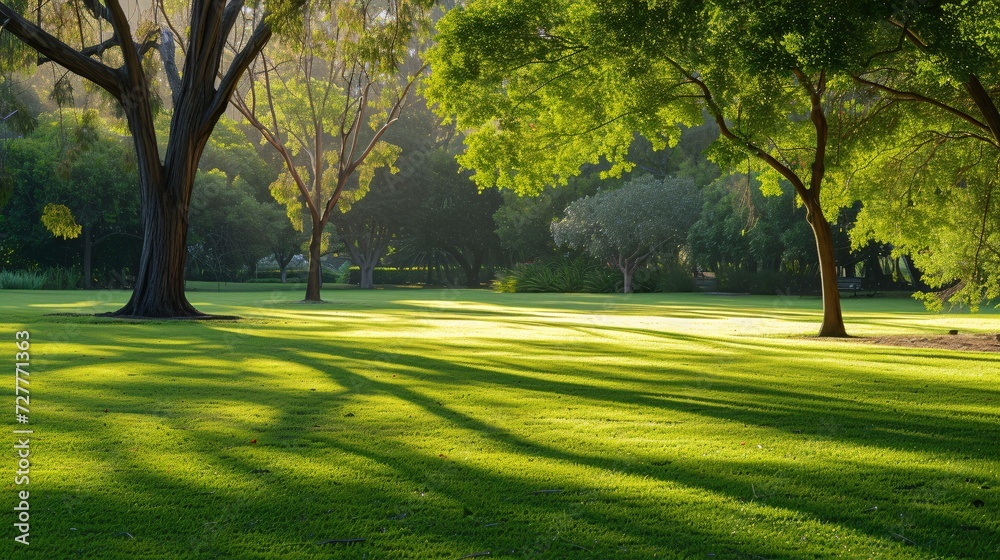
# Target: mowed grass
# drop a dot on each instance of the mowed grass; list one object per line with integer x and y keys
{"x": 442, "y": 424}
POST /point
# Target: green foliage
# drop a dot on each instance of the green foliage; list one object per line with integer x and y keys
{"x": 228, "y": 228}
{"x": 56, "y": 278}
{"x": 449, "y": 216}
{"x": 544, "y": 91}
{"x": 75, "y": 177}
{"x": 632, "y": 223}
{"x": 739, "y": 226}
{"x": 928, "y": 176}
{"x": 557, "y": 276}
{"x": 21, "y": 280}
{"x": 549, "y": 88}
{"x": 326, "y": 92}
{"x": 582, "y": 275}
{"x": 388, "y": 275}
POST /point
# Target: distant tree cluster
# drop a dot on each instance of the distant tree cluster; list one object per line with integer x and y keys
{"x": 789, "y": 138}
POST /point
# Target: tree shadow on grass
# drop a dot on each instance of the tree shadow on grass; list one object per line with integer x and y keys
{"x": 647, "y": 499}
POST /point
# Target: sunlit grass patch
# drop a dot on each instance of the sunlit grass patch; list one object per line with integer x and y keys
{"x": 437, "y": 424}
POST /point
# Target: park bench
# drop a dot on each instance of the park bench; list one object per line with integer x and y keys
{"x": 853, "y": 285}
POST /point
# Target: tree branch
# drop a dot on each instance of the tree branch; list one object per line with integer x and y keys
{"x": 61, "y": 53}
{"x": 168, "y": 56}
{"x": 229, "y": 17}
{"x": 818, "y": 118}
{"x": 99, "y": 11}
{"x": 900, "y": 95}
{"x": 133, "y": 63}
{"x": 227, "y": 87}
{"x": 716, "y": 111}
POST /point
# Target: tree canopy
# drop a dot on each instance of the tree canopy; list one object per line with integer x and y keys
{"x": 549, "y": 90}
{"x": 325, "y": 97}
{"x": 627, "y": 226}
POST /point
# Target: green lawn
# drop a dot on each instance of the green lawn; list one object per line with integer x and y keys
{"x": 431, "y": 422}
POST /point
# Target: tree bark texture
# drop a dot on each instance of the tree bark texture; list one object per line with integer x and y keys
{"x": 833, "y": 319}
{"x": 314, "y": 281}
{"x": 200, "y": 94}
{"x": 368, "y": 276}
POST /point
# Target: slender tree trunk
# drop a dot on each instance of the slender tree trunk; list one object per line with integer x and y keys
{"x": 88, "y": 250}
{"x": 471, "y": 272}
{"x": 283, "y": 262}
{"x": 627, "y": 273}
{"x": 315, "y": 279}
{"x": 833, "y": 318}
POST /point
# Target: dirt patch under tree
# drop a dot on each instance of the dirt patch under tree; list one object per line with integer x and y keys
{"x": 966, "y": 342}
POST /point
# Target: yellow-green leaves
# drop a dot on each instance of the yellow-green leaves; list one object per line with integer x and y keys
{"x": 286, "y": 191}
{"x": 58, "y": 219}
{"x": 383, "y": 155}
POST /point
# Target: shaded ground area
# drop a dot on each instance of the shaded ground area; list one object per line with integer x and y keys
{"x": 967, "y": 342}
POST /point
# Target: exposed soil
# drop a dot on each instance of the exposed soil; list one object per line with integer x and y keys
{"x": 967, "y": 342}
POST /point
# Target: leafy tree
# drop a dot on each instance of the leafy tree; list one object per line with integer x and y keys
{"x": 284, "y": 240}
{"x": 325, "y": 101}
{"x": 229, "y": 227}
{"x": 739, "y": 226}
{"x": 627, "y": 226}
{"x": 77, "y": 178}
{"x": 547, "y": 90}
{"x": 368, "y": 228}
{"x": 927, "y": 173}
{"x": 453, "y": 216}
{"x": 524, "y": 223}
{"x": 249, "y": 176}
{"x": 120, "y": 61}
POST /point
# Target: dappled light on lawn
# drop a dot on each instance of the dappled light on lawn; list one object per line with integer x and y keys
{"x": 434, "y": 424}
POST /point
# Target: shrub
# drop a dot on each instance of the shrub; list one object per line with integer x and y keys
{"x": 59, "y": 278}
{"x": 504, "y": 283}
{"x": 389, "y": 275}
{"x": 21, "y": 280}
{"x": 580, "y": 275}
{"x": 735, "y": 279}
{"x": 675, "y": 278}
{"x": 562, "y": 276}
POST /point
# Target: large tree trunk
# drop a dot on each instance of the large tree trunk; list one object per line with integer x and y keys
{"x": 315, "y": 278}
{"x": 165, "y": 192}
{"x": 159, "y": 285}
{"x": 200, "y": 96}
{"x": 88, "y": 250}
{"x": 368, "y": 275}
{"x": 833, "y": 319}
